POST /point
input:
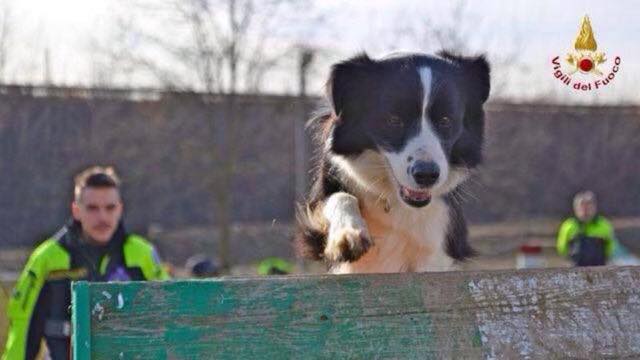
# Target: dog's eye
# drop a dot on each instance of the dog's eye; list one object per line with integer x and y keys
{"x": 394, "y": 120}
{"x": 445, "y": 121}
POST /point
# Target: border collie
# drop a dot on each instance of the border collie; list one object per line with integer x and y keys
{"x": 401, "y": 135}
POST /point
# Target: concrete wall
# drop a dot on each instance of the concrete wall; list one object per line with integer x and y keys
{"x": 167, "y": 148}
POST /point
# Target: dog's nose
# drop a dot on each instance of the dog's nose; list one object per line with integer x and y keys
{"x": 425, "y": 173}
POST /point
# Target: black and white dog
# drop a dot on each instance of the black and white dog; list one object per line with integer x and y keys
{"x": 402, "y": 134}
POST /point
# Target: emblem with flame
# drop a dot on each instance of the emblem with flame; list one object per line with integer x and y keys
{"x": 585, "y": 58}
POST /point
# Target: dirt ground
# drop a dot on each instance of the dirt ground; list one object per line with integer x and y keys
{"x": 497, "y": 244}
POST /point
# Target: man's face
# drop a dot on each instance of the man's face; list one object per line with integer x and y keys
{"x": 99, "y": 211}
{"x": 585, "y": 210}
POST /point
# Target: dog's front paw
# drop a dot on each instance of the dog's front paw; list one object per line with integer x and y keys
{"x": 347, "y": 244}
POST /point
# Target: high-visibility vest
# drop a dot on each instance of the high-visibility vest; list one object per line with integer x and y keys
{"x": 50, "y": 266}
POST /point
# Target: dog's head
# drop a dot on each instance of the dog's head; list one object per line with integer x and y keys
{"x": 420, "y": 115}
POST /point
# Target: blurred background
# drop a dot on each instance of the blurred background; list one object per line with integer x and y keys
{"x": 201, "y": 106}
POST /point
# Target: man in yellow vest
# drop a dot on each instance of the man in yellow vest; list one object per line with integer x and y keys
{"x": 94, "y": 246}
{"x": 587, "y": 238}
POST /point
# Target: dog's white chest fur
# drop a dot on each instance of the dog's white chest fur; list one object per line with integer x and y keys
{"x": 404, "y": 238}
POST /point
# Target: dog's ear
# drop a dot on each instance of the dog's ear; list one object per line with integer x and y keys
{"x": 350, "y": 90}
{"x": 349, "y": 82}
{"x": 476, "y": 72}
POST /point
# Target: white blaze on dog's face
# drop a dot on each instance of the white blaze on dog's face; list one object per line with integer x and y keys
{"x": 420, "y": 168}
{"x": 422, "y": 114}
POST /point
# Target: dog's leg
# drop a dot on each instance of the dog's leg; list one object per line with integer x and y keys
{"x": 348, "y": 238}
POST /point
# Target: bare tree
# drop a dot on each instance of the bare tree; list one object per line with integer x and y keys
{"x": 5, "y": 33}
{"x": 216, "y": 46}
{"x": 221, "y": 46}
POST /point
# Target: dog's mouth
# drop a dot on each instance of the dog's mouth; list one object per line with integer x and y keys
{"x": 415, "y": 198}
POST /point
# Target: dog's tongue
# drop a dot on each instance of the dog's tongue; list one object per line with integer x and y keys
{"x": 415, "y": 194}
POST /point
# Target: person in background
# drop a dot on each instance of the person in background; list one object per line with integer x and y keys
{"x": 93, "y": 246}
{"x": 588, "y": 237}
{"x": 199, "y": 266}
{"x": 275, "y": 266}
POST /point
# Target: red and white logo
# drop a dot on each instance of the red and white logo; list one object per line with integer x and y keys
{"x": 581, "y": 64}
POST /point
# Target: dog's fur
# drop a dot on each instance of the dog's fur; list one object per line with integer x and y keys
{"x": 401, "y": 135}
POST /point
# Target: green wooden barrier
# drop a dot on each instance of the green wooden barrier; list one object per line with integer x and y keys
{"x": 542, "y": 314}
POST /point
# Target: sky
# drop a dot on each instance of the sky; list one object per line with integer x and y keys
{"x": 533, "y": 32}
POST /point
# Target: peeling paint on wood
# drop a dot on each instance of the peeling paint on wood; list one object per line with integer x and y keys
{"x": 560, "y": 313}
{"x": 575, "y": 314}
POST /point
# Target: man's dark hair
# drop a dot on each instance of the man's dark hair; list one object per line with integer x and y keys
{"x": 95, "y": 177}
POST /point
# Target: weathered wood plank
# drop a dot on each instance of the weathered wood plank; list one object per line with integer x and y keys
{"x": 560, "y": 313}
